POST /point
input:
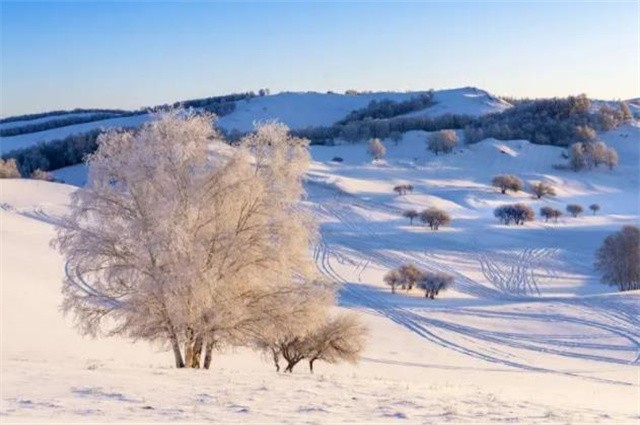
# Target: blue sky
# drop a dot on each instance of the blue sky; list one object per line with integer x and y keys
{"x": 60, "y": 55}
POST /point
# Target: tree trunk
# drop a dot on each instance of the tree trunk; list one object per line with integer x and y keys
{"x": 276, "y": 359}
{"x": 175, "y": 345}
{"x": 197, "y": 352}
{"x": 188, "y": 348}
{"x": 311, "y": 364}
{"x": 291, "y": 364}
{"x": 208, "y": 354}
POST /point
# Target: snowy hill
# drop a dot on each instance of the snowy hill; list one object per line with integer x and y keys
{"x": 297, "y": 110}
{"x": 527, "y": 334}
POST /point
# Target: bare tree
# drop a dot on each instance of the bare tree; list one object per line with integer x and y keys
{"x": 542, "y": 189}
{"x": 575, "y": 209}
{"x": 618, "y": 259}
{"x": 376, "y": 149}
{"x": 435, "y": 218}
{"x": 434, "y": 282}
{"x": 507, "y": 182}
{"x": 172, "y": 239}
{"x": 411, "y": 215}
{"x": 393, "y": 278}
{"x": 595, "y": 208}
{"x": 442, "y": 141}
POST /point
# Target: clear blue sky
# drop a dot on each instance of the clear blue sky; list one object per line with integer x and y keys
{"x": 116, "y": 54}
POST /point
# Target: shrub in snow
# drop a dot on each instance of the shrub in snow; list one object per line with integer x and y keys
{"x": 442, "y": 141}
{"x": 595, "y": 208}
{"x": 410, "y": 275}
{"x": 337, "y": 159}
{"x": 393, "y": 278}
{"x": 434, "y": 282}
{"x": 9, "y": 169}
{"x": 507, "y": 182}
{"x": 516, "y": 213}
{"x": 376, "y": 149}
{"x": 549, "y": 212}
{"x": 42, "y": 175}
{"x": 575, "y": 209}
{"x": 542, "y": 189}
{"x": 172, "y": 240}
{"x": 435, "y": 218}
{"x": 618, "y": 257}
{"x": 411, "y": 215}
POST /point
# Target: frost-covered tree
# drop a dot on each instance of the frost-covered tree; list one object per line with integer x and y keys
{"x": 575, "y": 209}
{"x": 376, "y": 149}
{"x": 517, "y": 213}
{"x": 435, "y": 217}
{"x": 411, "y": 215}
{"x": 393, "y": 278}
{"x": 38, "y": 174}
{"x": 589, "y": 155}
{"x": 9, "y": 169}
{"x": 594, "y": 208}
{"x": 549, "y": 212}
{"x": 339, "y": 338}
{"x": 583, "y": 133}
{"x": 507, "y": 182}
{"x": 541, "y": 189}
{"x": 611, "y": 158}
{"x": 410, "y": 275}
{"x": 172, "y": 240}
{"x": 618, "y": 259}
{"x": 434, "y": 282}
{"x": 442, "y": 141}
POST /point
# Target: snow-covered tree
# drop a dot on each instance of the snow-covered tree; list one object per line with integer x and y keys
{"x": 618, "y": 259}
{"x": 9, "y": 169}
{"x": 376, "y": 149}
{"x": 541, "y": 189}
{"x": 411, "y": 215}
{"x": 393, "y": 278}
{"x": 410, "y": 276}
{"x": 435, "y": 217}
{"x": 180, "y": 239}
{"x": 507, "y": 182}
{"x": 575, "y": 209}
{"x": 434, "y": 282}
{"x": 442, "y": 141}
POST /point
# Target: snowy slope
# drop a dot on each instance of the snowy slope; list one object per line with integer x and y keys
{"x": 463, "y": 101}
{"x": 527, "y": 335}
{"x": 8, "y": 144}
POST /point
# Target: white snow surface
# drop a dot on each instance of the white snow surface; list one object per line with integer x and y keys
{"x": 527, "y": 335}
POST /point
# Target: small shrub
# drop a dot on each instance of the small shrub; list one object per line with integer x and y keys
{"x": 337, "y": 159}
{"x": 38, "y": 174}
{"x": 9, "y": 169}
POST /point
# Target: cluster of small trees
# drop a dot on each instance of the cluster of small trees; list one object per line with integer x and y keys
{"x": 442, "y": 141}
{"x": 574, "y": 209}
{"x": 514, "y": 213}
{"x": 432, "y": 216}
{"x": 507, "y": 182}
{"x": 550, "y": 212}
{"x": 409, "y": 276}
{"x": 172, "y": 242}
{"x": 555, "y": 121}
{"x": 9, "y": 169}
{"x": 403, "y": 189}
{"x": 586, "y": 155}
{"x": 618, "y": 259}
{"x": 62, "y": 122}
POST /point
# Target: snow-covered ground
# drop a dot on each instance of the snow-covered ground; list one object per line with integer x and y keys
{"x": 528, "y": 334}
